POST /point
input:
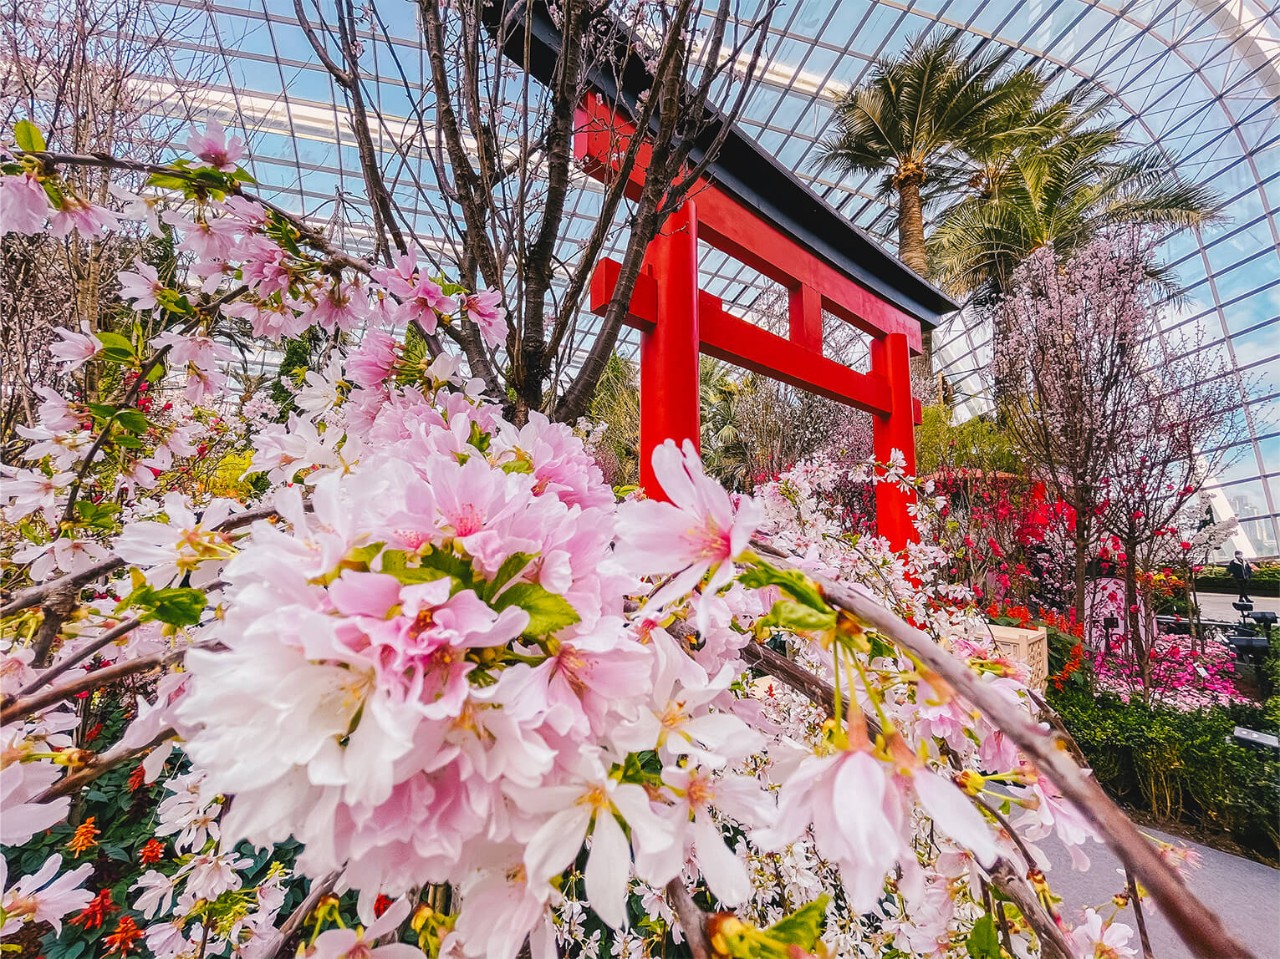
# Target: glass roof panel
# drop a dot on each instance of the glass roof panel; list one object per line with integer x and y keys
{"x": 1198, "y": 79}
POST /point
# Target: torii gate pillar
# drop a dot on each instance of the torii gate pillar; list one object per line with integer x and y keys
{"x": 669, "y": 394}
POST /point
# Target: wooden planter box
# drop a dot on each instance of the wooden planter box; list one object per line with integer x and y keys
{"x": 1030, "y": 646}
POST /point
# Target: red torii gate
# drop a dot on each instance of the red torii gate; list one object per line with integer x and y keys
{"x": 678, "y": 321}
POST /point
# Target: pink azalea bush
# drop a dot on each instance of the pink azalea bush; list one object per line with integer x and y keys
{"x": 1180, "y": 674}
{"x": 432, "y": 649}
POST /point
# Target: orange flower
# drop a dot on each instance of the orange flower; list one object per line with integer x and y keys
{"x": 85, "y": 837}
{"x": 137, "y": 779}
{"x": 151, "y": 852}
{"x": 126, "y": 934}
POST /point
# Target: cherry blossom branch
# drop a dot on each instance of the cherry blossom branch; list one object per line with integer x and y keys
{"x": 807, "y": 684}
{"x": 335, "y": 257}
{"x": 311, "y": 236}
{"x": 57, "y": 611}
{"x": 80, "y": 655}
{"x": 320, "y": 888}
{"x": 117, "y": 755}
{"x": 1135, "y": 900}
{"x": 1051, "y": 716}
{"x": 35, "y": 595}
{"x": 1198, "y": 926}
{"x": 1003, "y": 875}
{"x": 26, "y": 705}
{"x": 131, "y": 397}
{"x": 692, "y": 919}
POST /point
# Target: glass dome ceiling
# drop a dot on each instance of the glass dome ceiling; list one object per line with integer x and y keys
{"x": 1200, "y": 79}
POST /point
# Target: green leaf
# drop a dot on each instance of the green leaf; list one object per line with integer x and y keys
{"x": 644, "y": 768}
{"x": 173, "y": 301}
{"x": 116, "y": 348}
{"x": 98, "y": 515}
{"x": 448, "y": 564}
{"x": 167, "y": 181}
{"x": 132, "y": 420}
{"x": 511, "y": 567}
{"x": 983, "y": 943}
{"x": 174, "y": 606}
{"x": 547, "y": 611}
{"x": 788, "y": 614}
{"x": 116, "y": 853}
{"x": 28, "y": 137}
{"x": 803, "y": 927}
{"x": 800, "y": 586}
{"x": 437, "y": 564}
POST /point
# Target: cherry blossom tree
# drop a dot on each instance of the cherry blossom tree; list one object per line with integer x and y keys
{"x": 1177, "y": 434}
{"x": 78, "y": 69}
{"x": 1070, "y": 365}
{"x": 429, "y": 686}
{"x": 1125, "y": 423}
{"x": 498, "y": 145}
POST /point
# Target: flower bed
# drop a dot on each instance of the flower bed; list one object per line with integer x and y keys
{"x": 1181, "y": 675}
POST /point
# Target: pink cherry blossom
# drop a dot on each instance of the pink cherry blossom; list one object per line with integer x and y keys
{"x": 74, "y": 349}
{"x": 1096, "y": 939}
{"x": 340, "y": 307}
{"x": 264, "y": 266}
{"x": 360, "y": 943}
{"x": 85, "y": 218}
{"x": 592, "y": 806}
{"x": 142, "y": 286}
{"x": 213, "y": 148}
{"x": 485, "y": 310}
{"x": 371, "y": 362}
{"x": 44, "y": 895}
{"x": 856, "y": 814}
{"x": 422, "y": 300}
{"x": 697, "y": 533}
{"x": 202, "y": 358}
{"x": 23, "y": 204}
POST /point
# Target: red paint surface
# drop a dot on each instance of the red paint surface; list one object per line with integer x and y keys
{"x": 678, "y": 321}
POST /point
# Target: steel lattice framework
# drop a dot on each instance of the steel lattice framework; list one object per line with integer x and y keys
{"x": 1199, "y": 79}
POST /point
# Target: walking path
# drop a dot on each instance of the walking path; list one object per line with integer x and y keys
{"x": 1246, "y": 894}
{"x": 1218, "y": 605}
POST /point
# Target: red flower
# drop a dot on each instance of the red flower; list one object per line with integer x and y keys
{"x": 93, "y": 914}
{"x": 151, "y": 852}
{"x": 137, "y": 778}
{"x": 381, "y": 905}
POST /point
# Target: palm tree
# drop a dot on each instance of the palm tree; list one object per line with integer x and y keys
{"x": 1062, "y": 181}
{"x": 917, "y": 117}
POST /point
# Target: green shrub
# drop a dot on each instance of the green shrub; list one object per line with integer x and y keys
{"x": 1181, "y": 766}
{"x": 1265, "y": 581}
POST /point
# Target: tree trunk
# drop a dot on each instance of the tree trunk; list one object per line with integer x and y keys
{"x": 1133, "y": 624}
{"x": 911, "y": 251}
{"x": 1082, "y": 562}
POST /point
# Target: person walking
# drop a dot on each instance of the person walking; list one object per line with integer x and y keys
{"x": 1241, "y": 571}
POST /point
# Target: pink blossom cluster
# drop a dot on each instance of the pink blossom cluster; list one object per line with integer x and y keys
{"x": 440, "y": 649}
{"x": 1179, "y": 673}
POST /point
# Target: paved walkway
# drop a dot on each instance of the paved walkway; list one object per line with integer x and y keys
{"x": 1218, "y": 605}
{"x": 1244, "y": 893}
